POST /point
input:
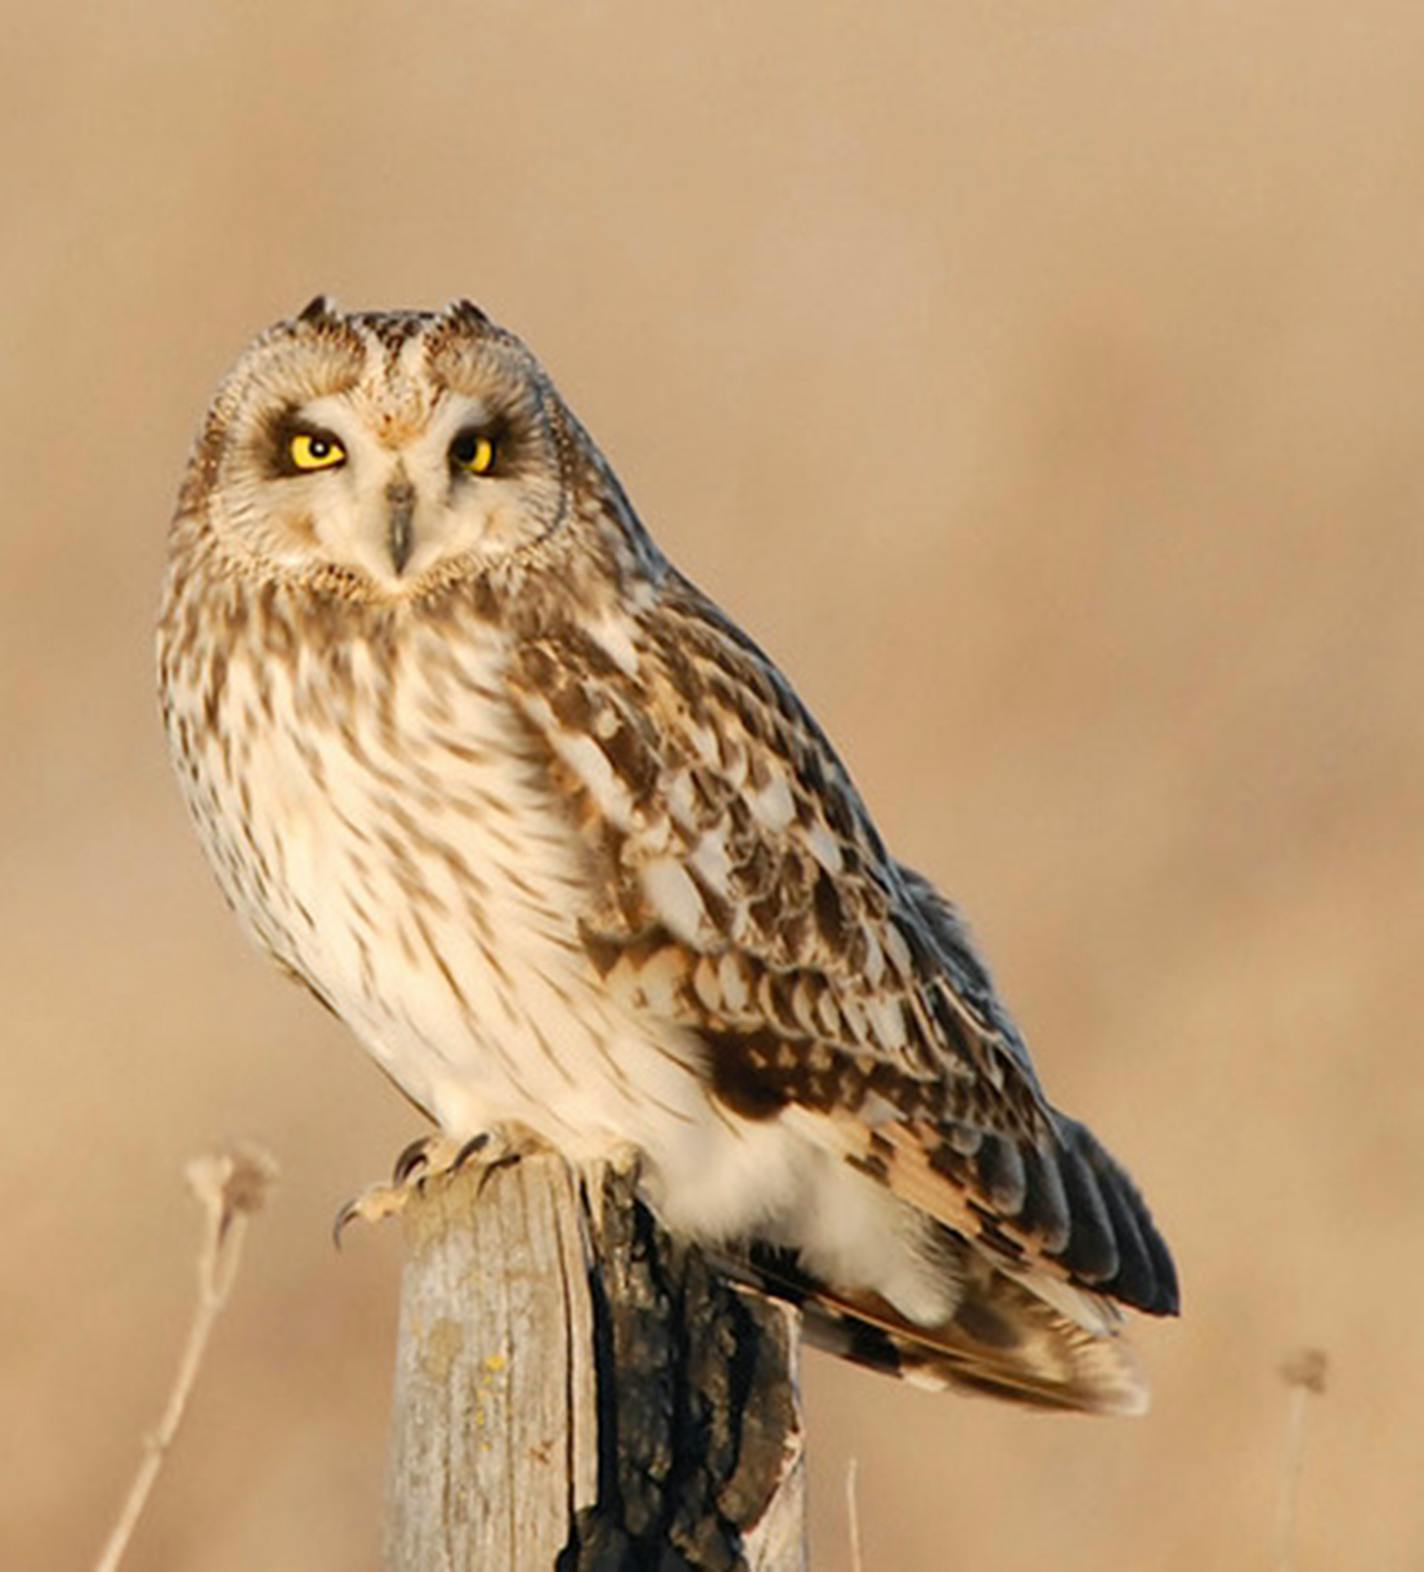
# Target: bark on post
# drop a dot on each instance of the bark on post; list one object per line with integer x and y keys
{"x": 577, "y": 1393}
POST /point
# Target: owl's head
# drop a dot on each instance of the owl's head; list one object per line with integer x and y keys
{"x": 392, "y": 449}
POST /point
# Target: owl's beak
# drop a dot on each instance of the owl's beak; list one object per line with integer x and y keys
{"x": 400, "y": 495}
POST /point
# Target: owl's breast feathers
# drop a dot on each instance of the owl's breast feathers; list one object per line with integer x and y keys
{"x": 743, "y": 894}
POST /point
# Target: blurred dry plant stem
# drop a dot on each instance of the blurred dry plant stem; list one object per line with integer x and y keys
{"x": 231, "y": 1187}
{"x": 853, "y": 1513}
{"x": 1304, "y": 1372}
{"x": 574, "y": 1388}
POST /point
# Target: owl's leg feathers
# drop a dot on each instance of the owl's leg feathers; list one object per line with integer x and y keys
{"x": 432, "y": 1157}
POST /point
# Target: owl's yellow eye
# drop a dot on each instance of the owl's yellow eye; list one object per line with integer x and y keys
{"x": 308, "y": 450}
{"x": 473, "y": 451}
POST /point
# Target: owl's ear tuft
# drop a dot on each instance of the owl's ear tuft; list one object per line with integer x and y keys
{"x": 469, "y": 313}
{"x": 316, "y": 309}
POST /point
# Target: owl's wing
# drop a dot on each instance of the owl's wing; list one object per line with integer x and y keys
{"x": 747, "y": 897}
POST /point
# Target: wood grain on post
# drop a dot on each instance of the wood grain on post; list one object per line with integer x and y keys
{"x": 575, "y": 1392}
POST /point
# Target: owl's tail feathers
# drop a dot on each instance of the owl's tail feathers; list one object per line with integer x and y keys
{"x": 1002, "y": 1340}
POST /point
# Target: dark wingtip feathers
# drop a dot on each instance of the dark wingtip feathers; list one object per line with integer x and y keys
{"x": 1113, "y": 1244}
{"x": 1079, "y": 1205}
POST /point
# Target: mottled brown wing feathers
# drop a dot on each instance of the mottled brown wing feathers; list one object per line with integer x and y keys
{"x": 746, "y": 897}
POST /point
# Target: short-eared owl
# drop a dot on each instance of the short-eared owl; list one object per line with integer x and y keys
{"x": 557, "y": 840}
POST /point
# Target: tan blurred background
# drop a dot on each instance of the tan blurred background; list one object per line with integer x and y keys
{"x": 1042, "y": 384}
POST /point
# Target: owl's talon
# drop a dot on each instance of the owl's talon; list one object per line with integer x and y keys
{"x": 377, "y": 1201}
{"x": 472, "y": 1148}
{"x": 412, "y": 1158}
{"x": 505, "y": 1160}
{"x": 430, "y": 1157}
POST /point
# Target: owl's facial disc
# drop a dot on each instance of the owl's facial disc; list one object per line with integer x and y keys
{"x": 393, "y": 470}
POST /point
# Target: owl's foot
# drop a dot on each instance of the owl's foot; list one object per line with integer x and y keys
{"x": 430, "y": 1157}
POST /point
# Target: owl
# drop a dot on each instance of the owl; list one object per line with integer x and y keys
{"x": 560, "y": 844}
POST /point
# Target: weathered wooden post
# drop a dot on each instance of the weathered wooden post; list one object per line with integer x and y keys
{"x": 575, "y": 1392}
